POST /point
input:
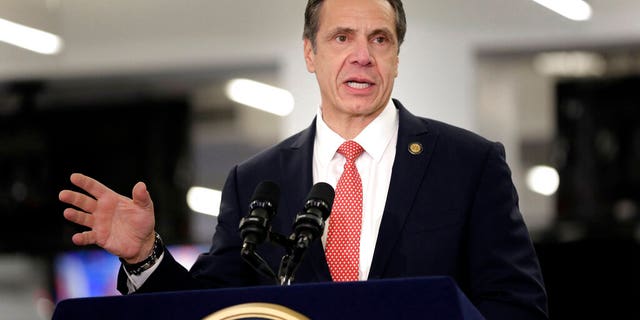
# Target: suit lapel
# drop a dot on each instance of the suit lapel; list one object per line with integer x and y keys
{"x": 297, "y": 162}
{"x": 296, "y": 165}
{"x": 409, "y": 169}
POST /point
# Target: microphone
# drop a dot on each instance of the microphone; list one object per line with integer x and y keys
{"x": 255, "y": 227}
{"x": 309, "y": 223}
{"x": 308, "y": 226}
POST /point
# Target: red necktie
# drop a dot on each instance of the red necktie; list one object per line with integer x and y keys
{"x": 343, "y": 238}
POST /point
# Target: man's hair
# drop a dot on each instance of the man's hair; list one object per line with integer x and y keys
{"x": 312, "y": 20}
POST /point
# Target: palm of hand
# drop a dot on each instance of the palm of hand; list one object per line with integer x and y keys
{"x": 121, "y": 226}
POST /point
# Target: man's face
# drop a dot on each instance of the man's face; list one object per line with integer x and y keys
{"x": 355, "y": 58}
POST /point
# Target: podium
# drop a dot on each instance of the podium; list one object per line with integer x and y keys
{"x": 405, "y": 298}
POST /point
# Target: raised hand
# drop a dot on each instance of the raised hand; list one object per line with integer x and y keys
{"x": 123, "y": 226}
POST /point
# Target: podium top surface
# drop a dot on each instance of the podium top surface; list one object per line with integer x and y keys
{"x": 426, "y": 298}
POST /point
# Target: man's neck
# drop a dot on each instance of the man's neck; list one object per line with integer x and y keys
{"x": 348, "y": 126}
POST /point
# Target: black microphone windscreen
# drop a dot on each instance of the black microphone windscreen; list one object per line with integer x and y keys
{"x": 267, "y": 191}
{"x": 322, "y": 191}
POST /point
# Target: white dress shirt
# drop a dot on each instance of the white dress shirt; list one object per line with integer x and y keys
{"x": 374, "y": 165}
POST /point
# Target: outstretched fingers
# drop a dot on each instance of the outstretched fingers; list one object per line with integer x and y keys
{"x": 78, "y": 200}
{"x": 84, "y": 238}
{"x": 78, "y": 217}
{"x": 141, "y": 196}
{"x": 88, "y": 184}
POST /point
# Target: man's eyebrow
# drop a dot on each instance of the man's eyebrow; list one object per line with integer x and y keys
{"x": 347, "y": 30}
{"x": 338, "y": 30}
{"x": 384, "y": 31}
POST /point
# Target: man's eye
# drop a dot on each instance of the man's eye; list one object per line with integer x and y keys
{"x": 341, "y": 38}
{"x": 380, "y": 39}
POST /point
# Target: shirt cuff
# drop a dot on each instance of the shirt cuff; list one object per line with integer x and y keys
{"x": 134, "y": 282}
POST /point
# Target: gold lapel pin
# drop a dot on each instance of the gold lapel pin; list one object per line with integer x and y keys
{"x": 415, "y": 148}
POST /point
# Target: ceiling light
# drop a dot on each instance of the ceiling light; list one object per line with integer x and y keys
{"x": 260, "y": 96}
{"x": 570, "y": 64}
{"x": 577, "y": 10}
{"x": 29, "y": 38}
{"x": 204, "y": 200}
{"x": 543, "y": 180}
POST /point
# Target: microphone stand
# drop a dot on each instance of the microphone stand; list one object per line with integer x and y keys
{"x": 289, "y": 262}
{"x": 249, "y": 255}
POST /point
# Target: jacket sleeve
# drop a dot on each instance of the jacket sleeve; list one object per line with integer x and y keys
{"x": 505, "y": 279}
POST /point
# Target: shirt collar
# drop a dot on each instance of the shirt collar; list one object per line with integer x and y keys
{"x": 374, "y": 138}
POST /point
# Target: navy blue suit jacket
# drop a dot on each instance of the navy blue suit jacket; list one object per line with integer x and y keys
{"x": 451, "y": 210}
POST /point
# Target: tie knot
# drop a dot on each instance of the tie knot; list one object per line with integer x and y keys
{"x": 350, "y": 150}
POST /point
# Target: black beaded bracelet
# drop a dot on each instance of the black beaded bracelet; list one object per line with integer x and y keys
{"x": 138, "y": 268}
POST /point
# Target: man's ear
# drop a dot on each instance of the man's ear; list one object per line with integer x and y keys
{"x": 309, "y": 56}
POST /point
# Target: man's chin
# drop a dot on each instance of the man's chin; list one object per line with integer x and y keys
{"x": 363, "y": 108}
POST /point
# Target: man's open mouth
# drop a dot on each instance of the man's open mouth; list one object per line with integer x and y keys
{"x": 358, "y": 85}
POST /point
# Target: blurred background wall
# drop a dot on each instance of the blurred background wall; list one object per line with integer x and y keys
{"x": 137, "y": 92}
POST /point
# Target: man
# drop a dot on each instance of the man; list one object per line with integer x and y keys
{"x": 430, "y": 199}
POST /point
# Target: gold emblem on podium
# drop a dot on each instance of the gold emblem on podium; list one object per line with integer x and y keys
{"x": 256, "y": 310}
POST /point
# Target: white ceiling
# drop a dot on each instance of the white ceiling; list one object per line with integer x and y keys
{"x": 125, "y": 33}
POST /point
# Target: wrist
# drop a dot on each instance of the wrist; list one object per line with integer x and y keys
{"x": 145, "y": 252}
{"x": 147, "y": 261}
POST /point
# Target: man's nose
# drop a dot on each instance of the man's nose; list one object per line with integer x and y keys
{"x": 361, "y": 53}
